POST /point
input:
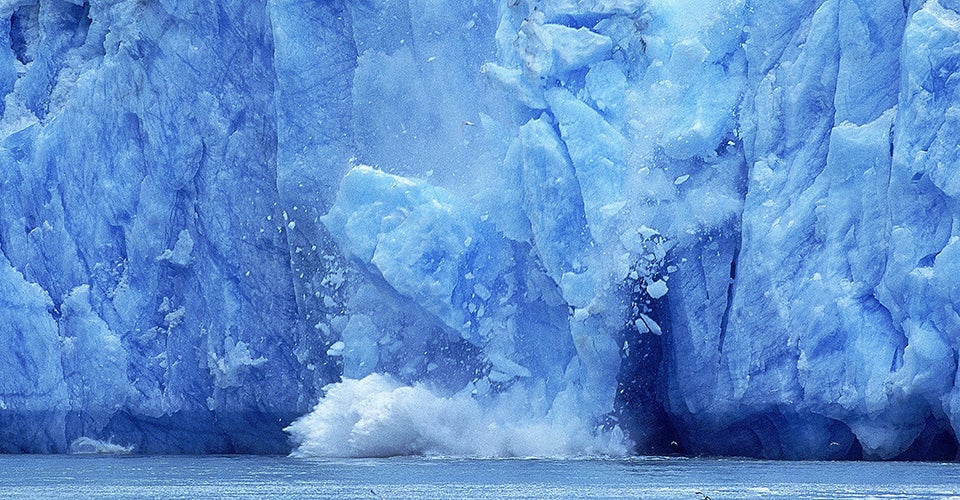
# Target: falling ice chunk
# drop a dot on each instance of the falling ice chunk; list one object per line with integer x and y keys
{"x": 336, "y": 349}
{"x": 641, "y": 326}
{"x": 481, "y": 291}
{"x": 646, "y": 324}
{"x": 508, "y": 367}
{"x": 647, "y": 232}
{"x": 657, "y": 289}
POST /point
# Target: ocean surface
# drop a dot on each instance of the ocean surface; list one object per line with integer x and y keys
{"x": 421, "y": 478}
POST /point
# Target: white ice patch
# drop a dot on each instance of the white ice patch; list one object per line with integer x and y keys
{"x": 378, "y": 417}
{"x": 237, "y": 359}
{"x": 179, "y": 256}
{"x": 513, "y": 81}
{"x": 554, "y": 49}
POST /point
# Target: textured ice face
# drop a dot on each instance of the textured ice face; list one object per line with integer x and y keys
{"x": 723, "y": 223}
{"x": 779, "y": 151}
{"x": 140, "y": 198}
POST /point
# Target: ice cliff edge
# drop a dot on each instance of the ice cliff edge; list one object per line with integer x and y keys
{"x": 697, "y": 226}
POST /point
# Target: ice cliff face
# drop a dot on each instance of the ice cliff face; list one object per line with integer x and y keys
{"x": 148, "y": 293}
{"x": 512, "y": 228}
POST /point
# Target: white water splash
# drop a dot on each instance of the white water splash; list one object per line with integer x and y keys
{"x": 89, "y": 446}
{"x": 378, "y": 417}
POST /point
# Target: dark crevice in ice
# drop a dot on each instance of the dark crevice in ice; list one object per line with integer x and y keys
{"x": 639, "y": 406}
{"x": 24, "y": 32}
{"x": 725, "y": 319}
{"x": 937, "y": 442}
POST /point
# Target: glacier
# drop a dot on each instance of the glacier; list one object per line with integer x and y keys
{"x": 512, "y": 228}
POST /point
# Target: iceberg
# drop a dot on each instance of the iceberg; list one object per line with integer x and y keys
{"x": 513, "y": 228}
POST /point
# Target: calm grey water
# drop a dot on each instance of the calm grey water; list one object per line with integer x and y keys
{"x": 422, "y": 478}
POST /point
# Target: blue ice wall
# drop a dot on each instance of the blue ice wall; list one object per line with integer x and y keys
{"x": 697, "y": 226}
{"x": 144, "y": 248}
